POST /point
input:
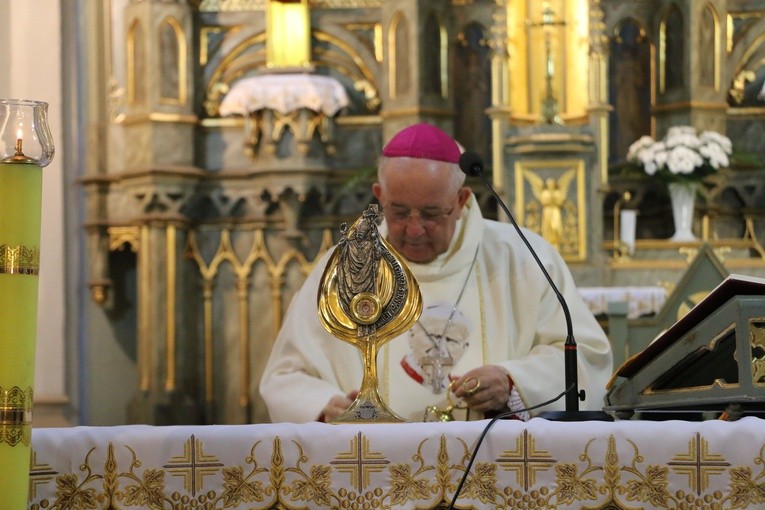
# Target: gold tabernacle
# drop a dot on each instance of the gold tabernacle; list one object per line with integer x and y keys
{"x": 367, "y": 296}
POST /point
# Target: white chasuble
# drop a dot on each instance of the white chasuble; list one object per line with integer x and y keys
{"x": 507, "y": 315}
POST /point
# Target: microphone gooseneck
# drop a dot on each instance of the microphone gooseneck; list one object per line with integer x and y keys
{"x": 471, "y": 164}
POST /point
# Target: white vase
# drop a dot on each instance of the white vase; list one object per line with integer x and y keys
{"x": 683, "y": 196}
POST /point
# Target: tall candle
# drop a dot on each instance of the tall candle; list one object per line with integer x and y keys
{"x": 26, "y": 146}
{"x": 628, "y": 222}
{"x": 20, "y": 209}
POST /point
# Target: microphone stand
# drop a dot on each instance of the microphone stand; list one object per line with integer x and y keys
{"x": 471, "y": 164}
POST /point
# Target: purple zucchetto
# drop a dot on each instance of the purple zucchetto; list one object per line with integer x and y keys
{"x": 423, "y": 141}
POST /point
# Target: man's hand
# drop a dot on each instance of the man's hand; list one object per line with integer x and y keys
{"x": 484, "y": 389}
{"x": 337, "y": 405}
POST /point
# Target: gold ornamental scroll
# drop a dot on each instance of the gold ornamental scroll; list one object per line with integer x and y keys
{"x": 367, "y": 296}
{"x": 25, "y": 147}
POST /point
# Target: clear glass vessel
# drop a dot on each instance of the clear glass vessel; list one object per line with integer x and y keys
{"x": 24, "y": 133}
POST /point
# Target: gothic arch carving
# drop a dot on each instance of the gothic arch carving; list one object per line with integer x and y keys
{"x": 351, "y": 62}
{"x": 136, "y": 64}
{"x": 335, "y": 51}
{"x": 709, "y": 47}
{"x": 172, "y": 55}
{"x": 472, "y": 57}
{"x": 433, "y": 56}
{"x": 671, "y": 50}
{"x": 746, "y": 64}
{"x": 629, "y": 74}
{"x": 398, "y": 61}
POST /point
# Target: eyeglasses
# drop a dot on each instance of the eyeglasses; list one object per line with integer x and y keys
{"x": 426, "y": 216}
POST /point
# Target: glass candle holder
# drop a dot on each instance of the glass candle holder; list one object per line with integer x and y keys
{"x": 26, "y": 147}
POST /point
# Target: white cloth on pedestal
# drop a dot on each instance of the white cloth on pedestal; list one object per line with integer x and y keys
{"x": 285, "y": 93}
{"x": 640, "y": 300}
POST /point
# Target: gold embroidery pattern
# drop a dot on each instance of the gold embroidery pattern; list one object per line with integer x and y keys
{"x": 600, "y": 478}
{"x": 38, "y": 474}
{"x": 193, "y": 465}
{"x": 15, "y": 416}
{"x": 360, "y": 462}
{"x": 525, "y": 460}
{"x": 698, "y": 464}
{"x": 19, "y": 260}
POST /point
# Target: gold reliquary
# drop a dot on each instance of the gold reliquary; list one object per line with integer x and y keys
{"x": 367, "y": 296}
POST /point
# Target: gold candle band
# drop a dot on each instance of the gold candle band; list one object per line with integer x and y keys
{"x": 15, "y": 435}
{"x": 16, "y": 416}
{"x": 19, "y": 260}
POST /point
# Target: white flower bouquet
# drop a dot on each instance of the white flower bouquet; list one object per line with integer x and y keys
{"x": 682, "y": 155}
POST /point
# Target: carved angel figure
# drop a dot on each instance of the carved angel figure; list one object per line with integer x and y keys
{"x": 552, "y": 195}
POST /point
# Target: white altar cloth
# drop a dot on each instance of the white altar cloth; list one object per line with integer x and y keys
{"x": 285, "y": 93}
{"x": 537, "y": 464}
{"x": 640, "y": 300}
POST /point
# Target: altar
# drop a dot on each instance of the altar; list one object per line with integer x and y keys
{"x": 537, "y": 464}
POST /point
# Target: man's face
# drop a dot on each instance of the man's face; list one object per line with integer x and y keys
{"x": 421, "y": 204}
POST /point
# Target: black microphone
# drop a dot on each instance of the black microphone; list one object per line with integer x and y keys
{"x": 472, "y": 164}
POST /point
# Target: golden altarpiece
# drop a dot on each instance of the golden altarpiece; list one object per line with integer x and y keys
{"x": 243, "y": 132}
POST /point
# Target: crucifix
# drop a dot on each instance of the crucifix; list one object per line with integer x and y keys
{"x": 550, "y": 113}
{"x": 437, "y": 364}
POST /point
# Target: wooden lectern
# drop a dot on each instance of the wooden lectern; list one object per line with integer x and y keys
{"x": 711, "y": 362}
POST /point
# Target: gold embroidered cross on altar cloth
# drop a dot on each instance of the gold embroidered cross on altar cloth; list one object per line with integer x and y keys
{"x": 537, "y": 464}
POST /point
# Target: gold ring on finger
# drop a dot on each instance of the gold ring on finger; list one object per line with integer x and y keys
{"x": 470, "y": 391}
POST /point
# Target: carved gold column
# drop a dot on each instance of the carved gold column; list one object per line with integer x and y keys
{"x": 599, "y": 106}
{"x": 163, "y": 346}
{"x": 500, "y": 110}
{"x": 160, "y": 177}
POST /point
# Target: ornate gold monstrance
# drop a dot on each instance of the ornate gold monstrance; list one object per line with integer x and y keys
{"x": 367, "y": 296}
